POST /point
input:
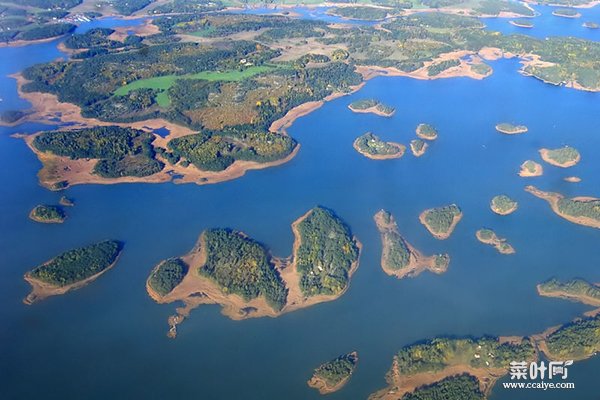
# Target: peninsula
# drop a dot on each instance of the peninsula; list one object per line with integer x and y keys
{"x": 372, "y": 106}
{"x": 578, "y": 290}
{"x": 48, "y": 214}
{"x": 441, "y": 221}
{"x": 72, "y": 270}
{"x": 398, "y": 257}
{"x": 227, "y": 267}
{"x": 371, "y": 146}
{"x": 511, "y": 129}
{"x": 503, "y": 205}
{"x": 579, "y": 210}
{"x": 531, "y": 169}
{"x": 333, "y": 375}
{"x": 488, "y": 236}
{"x": 563, "y": 157}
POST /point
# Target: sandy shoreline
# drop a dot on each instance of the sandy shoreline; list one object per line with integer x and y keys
{"x": 195, "y": 290}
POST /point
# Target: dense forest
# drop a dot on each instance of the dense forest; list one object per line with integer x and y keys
{"x": 337, "y": 370}
{"x": 76, "y": 265}
{"x": 167, "y": 275}
{"x": 458, "y": 387}
{"x": 120, "y": 151}
{"x": 580, "y": 208}
{"x": 326, "y": 253}
{"x": 242, "y": 266}
{"x": 576, "y": 340}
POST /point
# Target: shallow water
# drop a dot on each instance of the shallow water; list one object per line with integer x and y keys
{"x": 108, "y": 339}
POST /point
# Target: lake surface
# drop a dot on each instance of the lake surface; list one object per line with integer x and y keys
{"x": 108, "y": 340}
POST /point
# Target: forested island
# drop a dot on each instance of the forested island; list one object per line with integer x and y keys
{"x": 531, "y": 169}
{"x": 563, "y": 157}
{"x": 372, "y": 106}
{"x": 418, "y": 147}
{"x": 511, "y": 129}
{"x": 503, "y": 205}
{"x": 488, "y": 236}
{"x": 72, "y": 270}
{"x": 522, "y": 23}
{"x": 333, "y": 375}
{"x": 371, "y": 146}
{"x": 441, "y": 221}
{"x": 227, "y": 267}
{"x": 398, "y": 257}
{"x": 48, "y": 214}
{"x": 566, "y": 13}
{"x": 427, "y": 132}
{"x": 579, "y": 210}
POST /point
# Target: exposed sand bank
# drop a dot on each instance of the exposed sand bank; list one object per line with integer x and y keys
{"x": 526, "y": 173}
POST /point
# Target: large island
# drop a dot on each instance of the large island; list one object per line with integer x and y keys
{"x": 227, "y": 267}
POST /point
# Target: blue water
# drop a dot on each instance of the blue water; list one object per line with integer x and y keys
{"x": 546, "y": 24}
{"x": 108, "y": 339}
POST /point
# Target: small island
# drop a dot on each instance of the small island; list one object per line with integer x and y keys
{"x": 333, "y": 375}
{"x": 427, "y": 132}
{"x": 591, "y": 25}
{"x": 372, "y": 106}
{"x": 441, "y": 221}
{"x": 398, "y": 257}
{"x": 229, "y": 268}
{"x": 579, "y": 210}
{"x": 563, "y": 157}
{"x": 418, "y": 147}
{"x": 531, "y": 169}
{"x": 488, "y": 236}
{"x": 577, "y": 290}
{"x": 522, "y": 23}
{"x": 503, "y": 205}
{"x": 48, "y": 214}
{"x": 72, "y": 270}
{"x": 511, "y": 129}
{"x": 66, "y": 202}
{"x": 566, "y": 13}
{"x": 371, "y": 146}
{"x": 572, "y": 179}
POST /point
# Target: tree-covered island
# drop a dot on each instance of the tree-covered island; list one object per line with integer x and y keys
{"x": 563, "y": 157}
{"x": 441, "y": 221}
{"x": 488, "y": 236}
{"x": 372, "y": 106}
{"x": 371, "y": 146}
{"x": 418, "y": 147}
{"x": 227, "y": 267}
{"x": 511, "y": 129}
{"x": 48, "y": 214}
{"x": 72, "y": 270}
{"x": 398, "y": 257}
{"x": 331, "y": 376}
{"x": 503, "y": 205}
{"x": 531, "y": 169}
